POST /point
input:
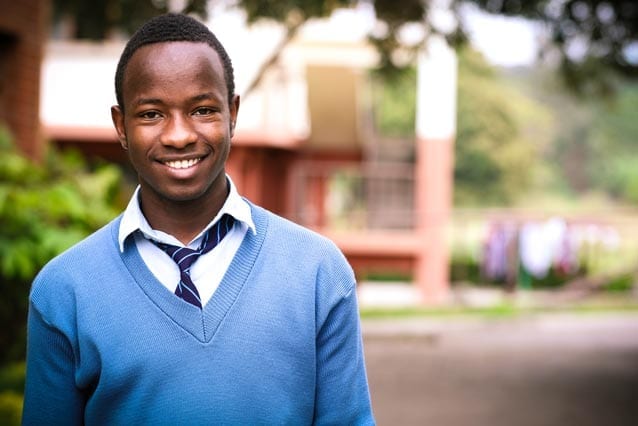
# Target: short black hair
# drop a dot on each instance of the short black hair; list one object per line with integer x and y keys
{"x": 172, "y": 27}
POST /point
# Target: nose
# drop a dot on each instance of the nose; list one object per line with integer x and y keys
{"x": 178, "y": 132}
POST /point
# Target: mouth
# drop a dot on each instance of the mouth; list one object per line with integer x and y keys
{"x": 182, "y": 164}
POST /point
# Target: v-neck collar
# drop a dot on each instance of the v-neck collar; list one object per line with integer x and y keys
{"x": 202, "y": 324}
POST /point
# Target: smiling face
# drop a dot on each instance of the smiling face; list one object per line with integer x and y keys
{"x": 176, "y": 123}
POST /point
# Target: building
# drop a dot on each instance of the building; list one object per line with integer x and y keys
{"x": 23, "y": 27}
{"x": 305, "y": 144}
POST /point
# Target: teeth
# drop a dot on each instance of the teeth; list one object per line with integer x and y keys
{"x": 182, "y": 164}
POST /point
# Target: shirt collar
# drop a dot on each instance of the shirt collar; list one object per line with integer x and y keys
{"x": 133, "y": 219}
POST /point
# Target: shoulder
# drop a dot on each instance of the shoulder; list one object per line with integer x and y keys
{"x": 294, "y": 236}
{"x": 75, "y": 265}
{"x": 291, "y": 242}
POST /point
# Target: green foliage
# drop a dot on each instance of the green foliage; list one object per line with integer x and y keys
{"x": 605, "y": 30}
{"x": 387, "y": 276}
{"x": 501, "y": 133}
{"x": 611, "y": 142}
{"x": 592, "y": 139}
{"x": 96, "y": 19}
{"x": 497, "y": 311}
{"x": 10, "y": 408}
{"x": 11, "y": 391}
{"x": 620, "y": 284}
{"x": 395, "y": 102}
{"x": 12, "y": 377}
{"x": 498, "y": 145}
{"x": 286, "y": 11}
{"x": 465, "y": 270}
{"x": 44, "y": 209}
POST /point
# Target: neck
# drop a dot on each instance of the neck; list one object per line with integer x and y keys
{"x": 181, "y": 219}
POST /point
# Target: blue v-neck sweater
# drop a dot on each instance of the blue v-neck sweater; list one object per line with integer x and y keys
{"x": 278, "y": 343}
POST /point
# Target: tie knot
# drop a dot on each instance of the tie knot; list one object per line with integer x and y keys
{"x": 184, "y": 257}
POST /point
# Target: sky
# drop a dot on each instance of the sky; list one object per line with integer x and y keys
{"x": 504, "y": 41}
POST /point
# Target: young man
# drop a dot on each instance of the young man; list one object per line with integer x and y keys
{"x": 194, "y": 306}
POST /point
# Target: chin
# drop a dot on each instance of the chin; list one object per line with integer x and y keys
{"x": 179, "y": 194}
{"x": 182, "y": 192}
{"x": 185, "y": 196}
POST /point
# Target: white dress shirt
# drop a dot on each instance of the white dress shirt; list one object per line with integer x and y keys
{"x": 209, "y": 269}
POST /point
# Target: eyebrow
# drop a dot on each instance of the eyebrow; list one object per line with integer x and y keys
{"x": 196, "y": 98}
{"x": 204, "y": 96}
{"x": 145, "y": 101}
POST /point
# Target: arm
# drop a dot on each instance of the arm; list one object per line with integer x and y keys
{"x": 342, "y": 395}
{"x": 51, "y": 396}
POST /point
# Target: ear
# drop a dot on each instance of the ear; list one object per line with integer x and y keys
{"x": 234, "y": 110}
{"x": 118, "y": 121}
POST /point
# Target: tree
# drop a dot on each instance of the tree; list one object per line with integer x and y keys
{"x": 99, "y": 19}
{"x": 611, "y": 143}
{"x": 591, "y": 37}
{"x": 502, "y": 134}
{"x": 498, "y": 145}
{"x": 591, "y": 150}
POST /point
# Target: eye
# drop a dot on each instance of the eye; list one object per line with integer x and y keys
{"x": 204, "y": 111}
{"x": 150, "y": 115}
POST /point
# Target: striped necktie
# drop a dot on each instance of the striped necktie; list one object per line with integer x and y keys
{"x": 185, "y": 257}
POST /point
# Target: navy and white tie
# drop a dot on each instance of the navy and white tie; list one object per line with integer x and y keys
{"x": 184, "y": 257}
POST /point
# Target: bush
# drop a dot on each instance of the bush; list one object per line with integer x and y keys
{"x": 10, "y": 408}
{"x": 44, "y": 209}
{"x": 620, "y": 284}
{"x": 11, "y": 391}
{"x": 12, "y": 377}
{"x": 465, "y": 269}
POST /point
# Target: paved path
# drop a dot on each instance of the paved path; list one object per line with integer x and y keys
{"x": 541, "y": 371}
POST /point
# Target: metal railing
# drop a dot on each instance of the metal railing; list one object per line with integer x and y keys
{"x": 351, "y": 196}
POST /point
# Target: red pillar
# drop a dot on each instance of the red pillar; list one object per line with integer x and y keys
{"x": 435, "y": 133}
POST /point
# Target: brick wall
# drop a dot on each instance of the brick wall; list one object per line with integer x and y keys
{"x": 23, "y": 29}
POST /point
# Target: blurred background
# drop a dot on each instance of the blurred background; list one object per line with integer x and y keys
{"x": 473, "y": 159}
